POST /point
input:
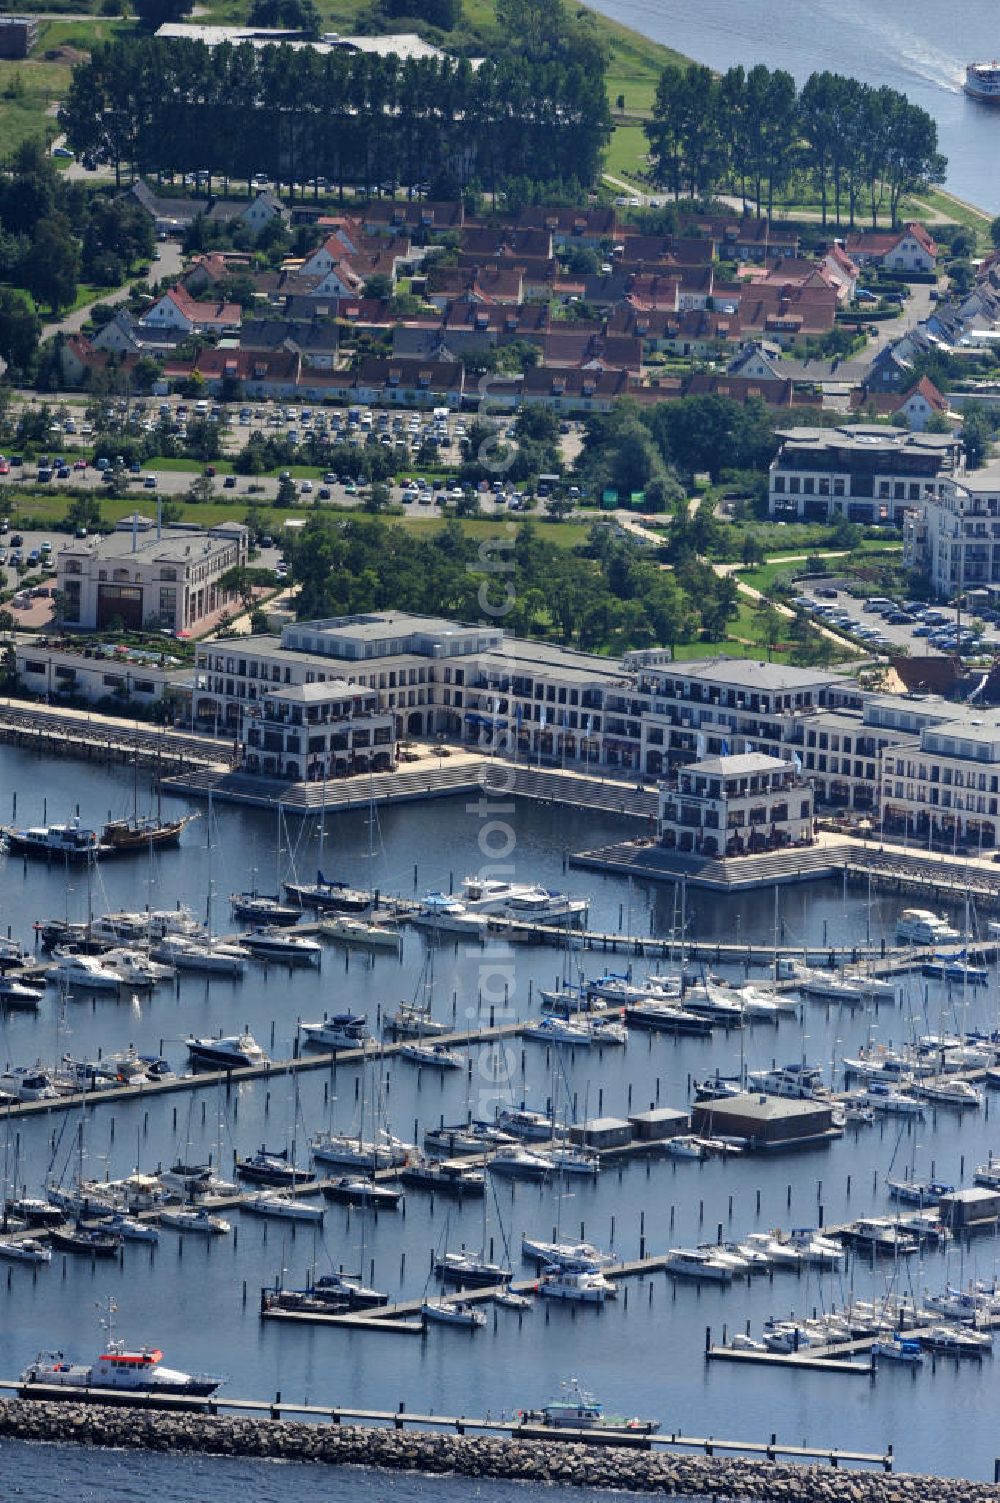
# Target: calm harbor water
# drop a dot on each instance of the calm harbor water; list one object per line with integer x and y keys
{"x": 643, "y": 1353}
{"x": 920, "y": 48}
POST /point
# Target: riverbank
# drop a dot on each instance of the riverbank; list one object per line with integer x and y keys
{"x": 481, "y": 1458}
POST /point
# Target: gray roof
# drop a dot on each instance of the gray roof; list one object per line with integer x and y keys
{"x": 763, "y": 1108}
{"x": 738, "y": 766}
{"x": 171, "y": 547}
{"x": 334, "y": 688}
{"x": 746, "y": 673}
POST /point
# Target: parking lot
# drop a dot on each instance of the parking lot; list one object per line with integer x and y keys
{"x": 883, "y": 625}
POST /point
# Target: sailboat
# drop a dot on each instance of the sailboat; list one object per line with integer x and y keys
{"x": 142, "y": 832}
{"x": 355, "y": 1151}
{"x": 413, "y": 1019}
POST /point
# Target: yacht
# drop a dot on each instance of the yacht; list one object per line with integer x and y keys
{"x": 285, "y": 1207}
{"x": 918, "y": 1192}
{"x": 420, "y": 1173}
{"x": 194, "y": 1180}
{"x": 621, "y": 989}
{"x": 553, "y": 1030}
{"x": 460, "y": 1139}
{"x": 519, "y": 1163}
{"x": 816, "y": 1249}
{"x": 667, "y": 1017}
{"x": 524, "y": 901}
{"x": 354, "y": 1190}
{"x": 131, "y": 1229}
{"x": 324, "y": 894}
{"x": 451, "y": 1312}
{"x": 579, "y": 1411}
{"x": 685, "y": 1146}
{"x": 362, "y": 932}
{"x": 200, "y": 1221}
{"x": 523, "y": 1123}
{"x": 956, "y": 1341}
{"x": 263, "y": 909}
{"x": 68, "y": 842}
{"x": 83, "y": 973}
{"x": 235, "y": 1052}
{"x": 982, "y": 82}
{"x": 339, "y": 1030}
{"x": 568, "y": 1255}
{"x": 352, "y": 1151}
{"x": 282, "y": 945}
{"x": 17, "y": 996}
{"x": 799, "y": 1082}
{"x": 698, "y": 1263}
{"x": 28, "y": 1083}
{"x": 465, "y": 1268}
{"x": 582, "y": 1286}
{"x": 919, "y": 926}
{"x": 942, "y": 1092}
{"x": 341, "y": 1286}
{"x": 436, "y": 1056}
{"x": 24, "y": 1250}
{"x": 266, "y": 1167}
{"x": 956, "y": 968}
{"x": 203, "y": 953}
{"x": 442, "y": 914}
{"x": 137, "y": 970}
{"x": 573, "y": 1159}
{"x": 410, "y": 1021}
{"x": 88, "y": 1241}
{"x": 891, "y": 1100}
{"x": 776, "y": 1248}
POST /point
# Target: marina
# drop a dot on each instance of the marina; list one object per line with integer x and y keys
{"x": 603, "y": 1116}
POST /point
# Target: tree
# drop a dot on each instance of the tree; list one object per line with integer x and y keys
{"x": 977, "y": 434}
{"x": 995, "y": 231}
{"x": 153, "y": 14}
{"x": 84, "y": 511}
{"x": 54, "y": 263}
{"x": 444, "y": 14}
{"x": 201, "y": 490}
{"x": 378, "y": 286}
{"x": 286, "y": 491}
{"x": 20, "y": 329}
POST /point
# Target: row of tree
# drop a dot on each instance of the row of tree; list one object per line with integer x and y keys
{"x": 155, "y": 105}
{"x": 753, "y": 130}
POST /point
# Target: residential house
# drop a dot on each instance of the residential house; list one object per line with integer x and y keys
{"x": 920, "y": 402}
{"x": 410, "y": 383}
{"x": 908, "y": 249}
{"x": 316, "y": 339}
{"x": 177, "y": 309}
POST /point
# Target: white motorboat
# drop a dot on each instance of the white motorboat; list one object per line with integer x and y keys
{"x": 131, "y": 1228}
{"x": 583, "y": 1286}
{"x": 621, "y": 990}
{"x": 282, "y": 945}
{"x": 891, "y": 1100}
{"x": 567, "y": 1255}
{"x": 685, "y": 1146}
{"x": 466, "y": 1269}
{"x": 435, "y": 1056}
{"x": 523, "y": 1123}
{"x": 263, "y": 908}
{"x": 189, "y": 952}
{"x": 797, "y": 1081}
{"x": 284, "y": 1207}
{"x": 815, "y": 1249}
{"x": 698, "y": 1263}
{"x": 28, "y": 1083}
{"x": 920, "y": 926}
{"x": 786, "y": 1336}
{"x": 441, "y": 914}
{"x": 898, "y": 1348}
{"x": 24, "y": 1250}
{"x": 958, "y": 1093}
{"x": 452, "y": 1312}
{"x": 352, "y": 1151}
{"x": 83, "y": 973}
{"x": 525, "y": 901}
{"x": 200, "y": 1221}
{"x": 340, "y": 1030}
{"x": 137, "y": 970}
{"x": 17, "y": 996}
{"x": 573, "y": 1159}
{"x": 509, "y": 1300}
{"x": 235, "y": 1052}
{"x": 779, "y": 1252}
{"x": 518, "y": 1162}
{"x": 554, "y": 1030}
{"x": 411, "y": 1021}
{"x": 354, "y": 931}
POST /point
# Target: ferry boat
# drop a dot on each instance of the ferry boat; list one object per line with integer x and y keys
{"x": 121, "y": 1370}
{"x": 982, "y": 82}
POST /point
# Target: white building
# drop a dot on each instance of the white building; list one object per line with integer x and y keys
{"x": 943, "y": 788}
{"x": 170, "y": 577}
{"x": 953, "y": 537}
{"x": 728, "y": 806}
{"x": 316, "y": 731}
{"x": 94, "y": 672}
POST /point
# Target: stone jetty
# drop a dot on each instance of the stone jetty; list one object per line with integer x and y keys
{"x": 509, "y": 1460}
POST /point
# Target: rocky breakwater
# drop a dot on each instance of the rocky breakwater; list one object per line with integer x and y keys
{"x": 473, "y": 1456}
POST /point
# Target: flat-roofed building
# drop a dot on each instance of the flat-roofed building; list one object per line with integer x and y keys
{"x": 944, "y": 788}
{"x": 170, "y": 578}
{"x": 734, "y": 806}
{"x": 953, "y": 536}
{"x": 317, "y": 731}
{"x": 868, "y": 474}
{"x": 767, "y": 1123}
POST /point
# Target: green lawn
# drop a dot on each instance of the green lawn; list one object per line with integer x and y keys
{"x": 626, "y": 153}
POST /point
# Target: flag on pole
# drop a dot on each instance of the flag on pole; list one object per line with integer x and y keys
{"x": 542, "y": 717}
{"x": 699, "y": 745}
{"x": 798, "y": 763}
{"x": 747, "y": 746}
{"x": 519, "y": 716}
{"x": 725, "y": 748}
